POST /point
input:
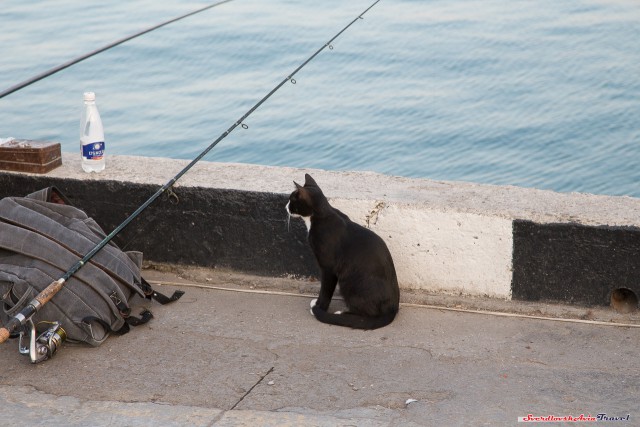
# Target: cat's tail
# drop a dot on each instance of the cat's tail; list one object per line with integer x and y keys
{"x": 352, "y": 320}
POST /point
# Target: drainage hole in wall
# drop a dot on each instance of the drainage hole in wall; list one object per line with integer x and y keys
{"x": 624, "y": 300}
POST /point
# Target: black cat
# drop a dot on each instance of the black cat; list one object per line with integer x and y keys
{"x": 348, "y": 254}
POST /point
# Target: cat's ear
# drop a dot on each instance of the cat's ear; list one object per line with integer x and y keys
{"x": 308, "y": 180}
{"x": 298, "y": 186}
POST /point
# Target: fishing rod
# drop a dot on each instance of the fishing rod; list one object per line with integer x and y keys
{"x": 67, "y": 64}
{"x": 54, "y": 287}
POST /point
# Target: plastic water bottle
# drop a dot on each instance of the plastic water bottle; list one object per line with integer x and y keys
{"x": 91, "y": 136}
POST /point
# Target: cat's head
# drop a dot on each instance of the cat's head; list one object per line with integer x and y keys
{"x": 306, "y": 199}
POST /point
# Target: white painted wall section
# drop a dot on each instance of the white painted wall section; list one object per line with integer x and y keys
{"x": 444, "y": 252}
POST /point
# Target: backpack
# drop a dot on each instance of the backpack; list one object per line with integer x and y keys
{"x": 41, "y": 237}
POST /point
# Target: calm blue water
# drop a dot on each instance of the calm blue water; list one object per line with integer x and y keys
{"x": 541, "y": 94}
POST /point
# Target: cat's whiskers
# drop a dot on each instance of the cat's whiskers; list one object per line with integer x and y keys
{"x": 286, "y": 208}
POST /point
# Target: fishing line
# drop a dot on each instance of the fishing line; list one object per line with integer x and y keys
{"x": 45, "y": 296}
{"x": 102, "y": 49}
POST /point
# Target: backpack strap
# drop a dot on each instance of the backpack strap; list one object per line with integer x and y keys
{"x": 150, "y": 293}
{"x": 145, "y": 316}
{"x": 125, "y": 312}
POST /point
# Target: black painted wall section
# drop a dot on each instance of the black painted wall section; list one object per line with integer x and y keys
{"x": 243, "y": 231}
{"x": 574, "y": 263}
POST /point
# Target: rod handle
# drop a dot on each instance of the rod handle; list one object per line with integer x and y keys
{"x": 30, "y": 309}
{"x": 47, "y": 293}
{"x": 4, "y": 335}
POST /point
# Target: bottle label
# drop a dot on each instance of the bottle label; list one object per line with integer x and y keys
{"x": 93, "y": 151}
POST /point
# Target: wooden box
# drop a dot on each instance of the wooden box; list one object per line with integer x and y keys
{"x": 23, "y": 155}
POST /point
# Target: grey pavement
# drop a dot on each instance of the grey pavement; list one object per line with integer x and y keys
{"x": 227, "y": 358}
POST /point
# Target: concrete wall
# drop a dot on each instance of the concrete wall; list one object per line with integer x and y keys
{"x": 452, "y": 237}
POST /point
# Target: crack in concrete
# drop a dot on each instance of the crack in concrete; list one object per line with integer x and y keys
{"x": 251, "y": 389}
{"x": 224, "y": 412}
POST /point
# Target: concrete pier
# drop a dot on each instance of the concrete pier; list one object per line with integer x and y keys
{"x": 256, "y": 357}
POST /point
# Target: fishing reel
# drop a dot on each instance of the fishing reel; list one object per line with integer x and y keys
{"x": 43, "y": 344}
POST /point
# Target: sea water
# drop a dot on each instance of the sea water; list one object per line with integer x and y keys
{"x": 541, "y": 94}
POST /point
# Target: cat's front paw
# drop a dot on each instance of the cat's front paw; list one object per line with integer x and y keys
{"x": 313, "y": 303}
